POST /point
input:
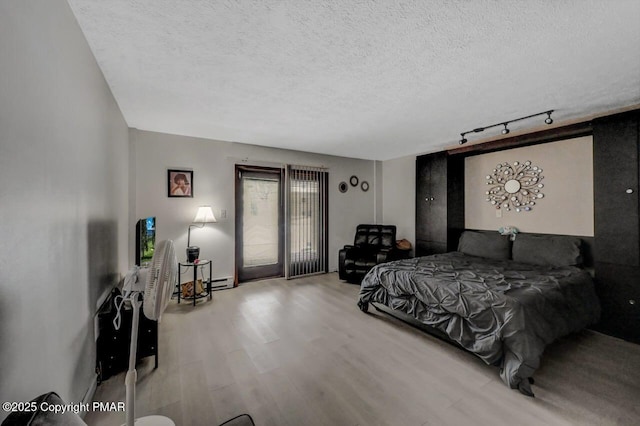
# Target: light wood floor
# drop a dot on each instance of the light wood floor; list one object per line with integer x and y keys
{"x": 301, "y": 353}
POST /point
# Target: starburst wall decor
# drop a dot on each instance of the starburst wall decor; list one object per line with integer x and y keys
{"x": 515, "y": 187}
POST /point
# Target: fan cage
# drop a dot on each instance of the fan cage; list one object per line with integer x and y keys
{"x": 160, "y": 280}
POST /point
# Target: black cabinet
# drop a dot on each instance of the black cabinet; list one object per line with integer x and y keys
{"x": 112, "y": 352}
{"x": 615, "y": 168}
{"x": 616, "y": 143}
{"x": 439, "y": 202}
{"x": 618, "y": 289}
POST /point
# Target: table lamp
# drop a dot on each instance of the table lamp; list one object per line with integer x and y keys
{"x": 204, "y": 215}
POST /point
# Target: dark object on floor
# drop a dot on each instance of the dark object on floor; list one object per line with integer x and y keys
{"x": 35, "y": 416}
{"x": 373, "y": 244}
{"x": 241, "y": 420}
{"x": 112, "y": 355}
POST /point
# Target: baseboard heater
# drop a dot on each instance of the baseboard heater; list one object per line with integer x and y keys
{"x": 221, "y": 283}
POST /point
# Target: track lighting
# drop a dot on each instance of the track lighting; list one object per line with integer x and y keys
{"x": 506, "y": 130}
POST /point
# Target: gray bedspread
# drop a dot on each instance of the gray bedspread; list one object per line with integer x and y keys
{"x": 504, "y": 312}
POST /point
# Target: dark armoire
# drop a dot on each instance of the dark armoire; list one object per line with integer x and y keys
{"x": 616, "y": 143}
{"x": 439, "y": 202}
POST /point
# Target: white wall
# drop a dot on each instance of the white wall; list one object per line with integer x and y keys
{"x": 63, "y": 200}
{"x": 399, "y": 195}
{"x": 213, "y": 163}
{"x": 567, "y": 206}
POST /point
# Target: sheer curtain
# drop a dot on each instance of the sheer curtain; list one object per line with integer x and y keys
{"x": 306, "y": 221}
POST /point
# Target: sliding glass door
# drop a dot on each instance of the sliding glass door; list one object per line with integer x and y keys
{"x": 281, "y": 222}
{"x": 259, "y": 223}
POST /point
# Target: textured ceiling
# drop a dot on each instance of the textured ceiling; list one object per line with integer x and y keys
{"x": 358, "y": 78}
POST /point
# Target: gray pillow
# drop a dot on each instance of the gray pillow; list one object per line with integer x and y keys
{"x": 553, "y": 250}
{"x": 490, "y": 245}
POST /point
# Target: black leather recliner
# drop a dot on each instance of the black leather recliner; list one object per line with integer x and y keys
{"x": 373, "y": 244}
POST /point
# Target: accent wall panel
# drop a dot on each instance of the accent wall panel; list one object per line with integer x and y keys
{"x": 568, "y": 205}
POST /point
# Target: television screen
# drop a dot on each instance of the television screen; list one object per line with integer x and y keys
{"x": 145, "y": 240}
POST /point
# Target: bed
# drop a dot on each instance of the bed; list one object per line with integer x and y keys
{"x": 502, "y": 301}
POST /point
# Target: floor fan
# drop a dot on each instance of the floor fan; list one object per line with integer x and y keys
{"x": 157, "y": 283}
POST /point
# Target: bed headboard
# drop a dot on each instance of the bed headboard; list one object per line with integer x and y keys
{"x": 586, "y": 249}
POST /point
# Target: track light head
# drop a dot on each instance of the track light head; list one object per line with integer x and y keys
{"x": 463, "y": 140}
{"x": 505, "y": 131}
{"x": 548, "y": 120}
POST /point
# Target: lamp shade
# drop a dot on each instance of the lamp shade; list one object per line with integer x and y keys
{"x": 204, "y": 215}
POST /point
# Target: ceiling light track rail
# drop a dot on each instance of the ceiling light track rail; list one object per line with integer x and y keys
{"x": 506, "y": 130}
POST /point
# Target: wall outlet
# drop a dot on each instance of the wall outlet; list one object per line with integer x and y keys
{"x": 221, "y": 214}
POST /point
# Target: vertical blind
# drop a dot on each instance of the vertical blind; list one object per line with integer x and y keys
{"x": 306, "y": 221}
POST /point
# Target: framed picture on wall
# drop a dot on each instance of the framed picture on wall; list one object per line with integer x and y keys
{"x": 180, "y": 183}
